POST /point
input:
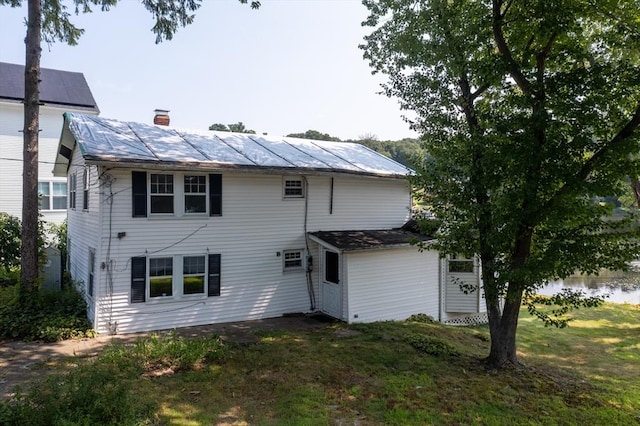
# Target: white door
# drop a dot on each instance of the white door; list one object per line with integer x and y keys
{"x": 462, "y": 292}
{"x": 331, "y": 285}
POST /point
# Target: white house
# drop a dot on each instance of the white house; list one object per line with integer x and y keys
{"x": 171, "y": 228}
{"x": 60, "y": 91}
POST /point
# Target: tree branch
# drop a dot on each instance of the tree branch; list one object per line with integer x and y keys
{"x": 588, "y": 167}
{"x": 503, "y": 48}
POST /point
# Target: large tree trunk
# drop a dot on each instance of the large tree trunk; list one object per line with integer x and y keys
{"x": 503, "y": 333}
{"x": 29, "y": 251}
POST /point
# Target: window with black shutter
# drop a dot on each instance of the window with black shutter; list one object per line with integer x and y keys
{"x": 215, "y": 195}
{"x": 139, "y": 190}
{"x": 138, "y": 279}
{"x": 213, "y": 283}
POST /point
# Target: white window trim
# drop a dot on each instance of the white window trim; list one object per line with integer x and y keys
{"x": 296, "y": 268}
{"x": 286, "y": 196}
{"x": 177, "y": 285}
{"x": 179, "y": 206}
{"x": 51, "y": 195}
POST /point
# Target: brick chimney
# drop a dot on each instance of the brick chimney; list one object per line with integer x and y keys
{"x": 162, "y": 117}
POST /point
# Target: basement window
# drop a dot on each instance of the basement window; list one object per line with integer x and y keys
{"x": 292, "y": 259}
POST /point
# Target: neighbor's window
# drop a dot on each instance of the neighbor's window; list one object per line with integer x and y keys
{"x": 161, "y": 277}
{"x": 292, "y": 259}
{"x": 195, "y": 194}
{"x": 53, "y": 195}
{"x": 293, "y": 188}
{"x": 193, "y": 273}
{"x": 161, "y": 193}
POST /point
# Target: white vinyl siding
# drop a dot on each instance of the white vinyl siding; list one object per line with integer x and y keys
{"x": 256, "y": 225}
{"x": 11, "y": 140}
{"x": 391, "y": 284}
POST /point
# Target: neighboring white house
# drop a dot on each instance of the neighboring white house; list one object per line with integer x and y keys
{"x": 60, "y": 91}
{"x": 171, "y": 228}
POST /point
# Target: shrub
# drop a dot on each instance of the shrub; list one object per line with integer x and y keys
{"x": 46, "y": 316}
{"x": 10, "y": 241}
{"x": 424, "y": 318}
{"x": 91, "y": 394}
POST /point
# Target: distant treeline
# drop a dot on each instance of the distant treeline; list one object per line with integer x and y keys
{"x": 403, "y": 151}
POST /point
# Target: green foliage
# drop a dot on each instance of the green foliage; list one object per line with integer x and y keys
{"x": 423, "y": 318}
{"x": 9, "y": 241}
{"x": 315, "y": 135}
{"x": 90, "y": 394}
{"x": 530, "y": 114}
{"x": 167, "y": 352}
{"x": 405, "y": 151}
{"x": 432, "y": 345}
{"x": 45, "y": 316}
{"x": 562, "y": 303}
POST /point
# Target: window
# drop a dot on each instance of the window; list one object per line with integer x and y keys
{"x": 53, "y": 195}
{"x": 85, "y": 187}
{"x": 460, "y": 265}
{"x": 161, "y": 193}
{"x": 193, "y": 274}
{"x": 72, "y": 191}
{"x": 293, "y": 188}
{"x": 292, "y": 259}
{"x": 92, "y": 270}
{"x": 200, "y": 276}
{"x": 195, "y": 194}
{"x": 161, "y": 277}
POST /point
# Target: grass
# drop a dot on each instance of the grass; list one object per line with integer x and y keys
{"x": 385, "y": 373}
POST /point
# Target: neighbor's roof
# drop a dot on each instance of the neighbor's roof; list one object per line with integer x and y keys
{"x": 56, "y": 87}
{"x": 368, "y": 239}
{"x": 103, "y": 140}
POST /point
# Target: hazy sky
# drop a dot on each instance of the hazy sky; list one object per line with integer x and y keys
{"x": 290, "y": 66}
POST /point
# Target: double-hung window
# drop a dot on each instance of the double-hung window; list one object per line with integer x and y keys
{"x": 92, "y": 271}
{"x": 193, "y": 275}
{"x": 53, "y": 195}
{"x": 195, "y": 194}
{"x": 160, "y": 277}
{"x": 154, "y": 278}
{"x": 161, "y": 193}
{"x": 85, "y": 189}
{"x": 182, "y": 194}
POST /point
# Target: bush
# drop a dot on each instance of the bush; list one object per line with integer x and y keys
{"x": 423, "y": 318}
{"x": 91, "y": 394}
{"x": 45, "y": 316}
{"x": 10, "y": 241}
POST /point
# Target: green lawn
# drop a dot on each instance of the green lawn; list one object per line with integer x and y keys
{"x": 385, "y": 373}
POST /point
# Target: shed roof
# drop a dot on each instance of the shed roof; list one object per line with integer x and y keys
{"x": 103, "y": 140}
{"x": 368, "y": 239}
{"x": 56, "y": 87}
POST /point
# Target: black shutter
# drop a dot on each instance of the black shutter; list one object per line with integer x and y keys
{"x": 213, "y": 283}
{"x": 139, "y": 190}
{"x": 138, "y": 279}
{"x": 215, "y": 195}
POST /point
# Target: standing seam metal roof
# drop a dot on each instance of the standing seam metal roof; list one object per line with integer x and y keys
{"x": 107, "y": 140}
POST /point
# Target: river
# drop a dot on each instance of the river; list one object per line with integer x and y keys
{"x": 622, "y": 287}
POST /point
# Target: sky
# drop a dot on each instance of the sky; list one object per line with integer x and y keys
{"x": 290, "y": 66}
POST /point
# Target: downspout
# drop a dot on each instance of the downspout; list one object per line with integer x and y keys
{"x": 309, "y": 260}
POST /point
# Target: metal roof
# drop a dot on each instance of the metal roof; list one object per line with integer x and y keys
{"x": 367, "y": 239}
{"x": 103, "y": 140}
{"x": 56, "y": 87}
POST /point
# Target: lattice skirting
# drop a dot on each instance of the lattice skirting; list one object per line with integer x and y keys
{"x": 469, "y": 319}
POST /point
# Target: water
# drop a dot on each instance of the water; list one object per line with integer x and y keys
{"x": 622, "y": 287}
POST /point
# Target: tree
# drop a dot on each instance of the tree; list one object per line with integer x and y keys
{"x": 529, "y": 111}
{"x": 315, "y": 135}
{"x": 219, "y": 127}
{"x": 50, "y": 20}
{"x": 9, "y": 241}
{"x": 239, "y": 127}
